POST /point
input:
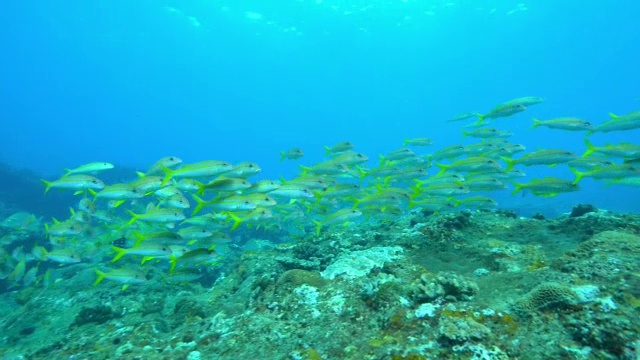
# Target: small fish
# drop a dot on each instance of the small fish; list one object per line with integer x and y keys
{"x": 418, "y": 142}
{"x": 143, "y": 249}
{"x": 629, "y": 121}
{"x": 122, "y": 276}
{"x": 524, "y": 101}
{"x": 89, "y": 168}
{"x": 224, "y": 184}
{"x": 566, "y": 123}
{"x": 340, "y": 216}
{"x": 463, "y": 116}
{"x": 478, "y": 164}
{"x": 476, "y": 202}
{"x": 74, "y": 182}
{"x": 338, "y": 148}
{"x": 615, "y": 171}
{"x": 148, "y": 184}
{"x": 292, "y": 191}
{"x": 159, "y": 215}
{"x": 622, "y": 150}
{"x": 63, "y": 256}
{"x": 231, "y": 203}
{"x": 350, "y": 158}
{"x": 291, "y": 154}
{"x": 482, "y": 133}
{"x": 262, "y": 186}
{"x": 243, "y": 170}
{"x": 541, "y": 157}
{"x": 547, "y": 187}
{"x": 117, "y": 192}
{"x": 200, "y": 256}
{"x": 165, "y": 162}
{"x": 501, "y": 111}
{"x": 205, "y": 168}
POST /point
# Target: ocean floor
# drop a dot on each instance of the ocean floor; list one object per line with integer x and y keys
{"x": 462, "y": 285}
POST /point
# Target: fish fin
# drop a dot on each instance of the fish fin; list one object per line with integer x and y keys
{"x": 101, "y": 275}
{"x": 383, "y": 161}
{"x": 145, "y": 259}
{"x": 443, "y": 168}
{"x": 406, "y": 142}
{"x": 120, "y": 252}
{"x": 124, "y": 287}
{"x": 510, "y": 163}
{"x": 283, "y": 155}
{"x": 318, "y": 227}
{"x": 134, "y": 217}
{"x": 92, "y": 192}
{"x": 480, "y": 119}
{"x": 327, "y": 151}
{"x": 613, "y": 116}
{"x": 236, "y": 220}
{"x": 168, "y": 175}
{"x": 200, "y": 203}
{"x": 47, "y": 185}
{"x": 590, "y": 148}
{"x": 174, "y": 262}
{"x": 517, "y": 188}
{"x": 305, "y": 170}
{"x": 579, "y": 175}
{"x": 536, "y": 123}
{"x": 140, "y": 174}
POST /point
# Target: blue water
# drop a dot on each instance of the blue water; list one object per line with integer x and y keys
{"x": 132, "y": 81}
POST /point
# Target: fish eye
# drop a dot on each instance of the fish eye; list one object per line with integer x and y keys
{"x": 266, "y": 199}
{"x": 175, "y": 214}
{"x": 164, "y": 249}
{"x": 489, "y": 162}
{"x": 460, "y": 187}
{"x": 246, "y": 203}
{"x": 204, "y": 230}
{"x": 171, "y": 158}
{"x": 587, "y": 123}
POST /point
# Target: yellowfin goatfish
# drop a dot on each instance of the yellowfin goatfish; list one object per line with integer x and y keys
{"x": 418, "y": 142}
{"x": 547, "y": 187}
{"x": 566, "y": 123}
{"x": 117, "y": 192}
{"x": 338, "y": 148}
{"x": 501, "y": 111}
{"x": 623, "y": 150}
{"x": 165, "y": 162}
{"x": 623, "y": 122}
{"x": 291, "y": 154}
{"x": 159, "y": 215}
{"x": 541, "y": 157}
{"x": 122, "y": 276}
{"x": 74, "y": 182}
{"x": 201, "y": 169}
{"x": 340, "y": 216}
{"x": 243, "y": 170}
{"x": 89, "y": 168}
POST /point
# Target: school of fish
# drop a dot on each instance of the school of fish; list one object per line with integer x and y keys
{"x": 176, "y": 214}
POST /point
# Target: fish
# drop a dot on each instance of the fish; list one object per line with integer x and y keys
{"x": 224, "y": 184}
{"x": 338, "y": 148}
{"x": 63, "y": 256}
{"x": 463, "y": 116}
{"x": 117, "y": 192}
{"x": 200, "y": 256}
{"x": 291, "y": 154}
{"x": 622, "y": 150}
{"x": 564, "y": 123}
{"x": 231, "y": 203}
{"x": 143, "y": 249}
{"x": 541, "y": 157}
{"x": 165, "y": 162}
{"x": 89, "y": 168}
{"x": 418, "y": 142}
{"x": 615, "y": 171}
{"x": 547, "y": 187}
{"x": 629, "y": 121}
{"x": 74, "y": 182}
{"x": 122, "y": 276}
{"x": 477, "y": 164}
{"x": 475, "y": 202}
{"x": 524, "y": 101}
{"x": 341, "y": 216}
{"x": 501, "y": 111}
{"x": 205, "y": 168}
{"x": 155, "y": 214}
{"x": 243, "y": 170}
{"x": 483, "y": 133}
